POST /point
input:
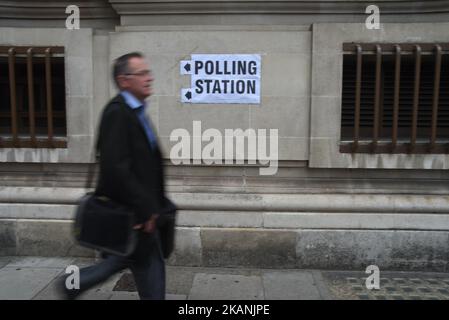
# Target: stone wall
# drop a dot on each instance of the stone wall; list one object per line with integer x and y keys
{"x": 322, "y": 209}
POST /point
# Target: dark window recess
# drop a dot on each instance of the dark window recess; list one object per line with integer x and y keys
{"x": 33, "y": 102}
{"x": 395, "y": 98}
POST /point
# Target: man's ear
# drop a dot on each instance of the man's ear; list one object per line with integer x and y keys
{"x": 122, "y": 81}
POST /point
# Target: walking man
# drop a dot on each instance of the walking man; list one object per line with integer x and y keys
{"x": 131, "y": 173}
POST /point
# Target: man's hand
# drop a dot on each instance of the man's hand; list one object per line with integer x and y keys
{"x": 149, "y": 226}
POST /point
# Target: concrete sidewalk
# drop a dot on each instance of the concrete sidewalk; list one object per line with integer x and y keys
{"x": 27, "y": 278}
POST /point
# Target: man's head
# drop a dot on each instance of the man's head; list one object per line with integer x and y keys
{"x": 132, "y": 73}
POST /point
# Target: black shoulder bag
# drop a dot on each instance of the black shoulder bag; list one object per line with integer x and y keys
{"x": 103, "y": 224}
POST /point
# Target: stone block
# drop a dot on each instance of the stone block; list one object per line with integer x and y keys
{"x": 76, "y": 43}
{"x": 80, "y": 115}
{"x": 36, "y": 211}
{"x": 48, "y": 238}
{"x": 327, "y": 75}
{"x": 80, "y": 82}
{"x": 205, "y": 171}
{"x": 326, "y": 117}
{"x": 219, "y": 219}
{"x": 289, "y": 115}
{"x": 286, "y": 75}
{"x": 212, "y": 182}
{"x": 188, "y": 247}
{"x": 79, "y": 44}
{"x": 337, "y": 220}
{"x": 8, "y": 237}
{"x": 80, "y": 149}
{"x": 32, "y": 155}
{"x": 40, "y": 262}
{"x": 248, "y": 247}
{"x": 174, "y": 115}
{"x": 293, "y": 149}
{"x": 354, "y": 249}
{"x": 205, "y": 41}
{"x": 102, "y": 72}
{"x": 165, "y": 70}
{"x": 324, "y": 153}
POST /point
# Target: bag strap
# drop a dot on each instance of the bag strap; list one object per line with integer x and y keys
{"x": 90, "y": 175}
{"x": 91, "y": 169}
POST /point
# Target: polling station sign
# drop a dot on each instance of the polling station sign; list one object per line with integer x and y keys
{"x": 222, "y": 78}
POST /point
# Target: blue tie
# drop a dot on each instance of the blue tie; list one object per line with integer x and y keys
{"x": 147, "y": 127}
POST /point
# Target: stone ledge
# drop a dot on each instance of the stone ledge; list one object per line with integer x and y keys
{"x": 46, "y": 238}
{"x": 256, "y": 219}
{"x": 257, "y": 247}
{"x": 386, "y": 203}
{"x": 207, "y": 28}
{"x": 98, "y": 9}
{"x": 130, "y": 7}
{"x": 291, "y": 178}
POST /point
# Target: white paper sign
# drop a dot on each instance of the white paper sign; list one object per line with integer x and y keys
{"x": 222, "y": 78}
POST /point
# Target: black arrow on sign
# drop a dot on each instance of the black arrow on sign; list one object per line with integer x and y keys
{"x": 188, "y": 95}
{"x": 187, "y": 67}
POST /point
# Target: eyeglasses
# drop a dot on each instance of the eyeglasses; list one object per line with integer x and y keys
{"x": 142, "y": 73}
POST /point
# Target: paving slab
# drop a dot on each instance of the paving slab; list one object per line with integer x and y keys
{"x": 322, "y": 287}
{"x": 393, "y": 286}
{"x": 179, "y": 280}
{"x": 226, "y": 287}
{"x": 169, "y": 296}
{"x": 35, "y": 278}
{"x": 24, "y": 283}
{"x": 50, "y": 292}
{"x": 109, "y": 284}
{"x": 4, "y": 261}
{"x": 95, "y": 295}
{"x": 121, "y": 295}
{"x": 290, "y": 285}
{"x": 40, "y": 262}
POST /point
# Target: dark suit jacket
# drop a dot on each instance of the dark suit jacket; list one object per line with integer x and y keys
{"x": 131, "y": 172}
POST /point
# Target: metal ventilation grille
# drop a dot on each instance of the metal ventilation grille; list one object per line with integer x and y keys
{"x": 395, "y": 98}
{"x": 32, "y": 97}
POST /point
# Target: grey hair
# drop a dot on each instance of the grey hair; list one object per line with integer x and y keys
{"x": 121, "y": 64}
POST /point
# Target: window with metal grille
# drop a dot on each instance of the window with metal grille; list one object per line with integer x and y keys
{"x": 395, "y": 98}
{"x": 32, "y": 103}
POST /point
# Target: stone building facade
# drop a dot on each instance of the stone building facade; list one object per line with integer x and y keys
{"x": 324, "y": 208}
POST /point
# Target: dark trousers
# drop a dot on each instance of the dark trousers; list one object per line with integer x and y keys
{"x": 146, "y": 263}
